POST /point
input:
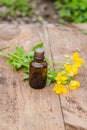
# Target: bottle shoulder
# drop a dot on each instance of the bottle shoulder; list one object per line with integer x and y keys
{"x": 38, "y": 64}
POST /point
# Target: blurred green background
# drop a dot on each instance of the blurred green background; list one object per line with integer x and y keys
{"x": 62, "y": 11}
{"x": 16, "y": 8}
{"x": 72, "y": 10}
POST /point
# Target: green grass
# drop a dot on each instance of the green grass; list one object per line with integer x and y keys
{"x": 72, "y": 11}
{"x": 16, "y": 8}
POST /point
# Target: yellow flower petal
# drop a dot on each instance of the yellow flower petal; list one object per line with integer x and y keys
{"x": 59, "y": 74}
{"x": 74, "y": 84}
{"x": 75, "y": 69}
{"x": 63, "y": 78}
{"x": 58, "y": 82}
{"x": 68, "y": 67}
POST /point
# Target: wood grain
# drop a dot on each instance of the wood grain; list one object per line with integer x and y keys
{"x": 21, "y": 107}
{"x": 74, "y": 104}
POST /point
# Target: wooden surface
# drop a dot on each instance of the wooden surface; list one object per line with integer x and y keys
{"x": 23, "y": 108}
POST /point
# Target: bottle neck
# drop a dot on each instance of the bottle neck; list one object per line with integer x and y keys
{"x": 38, "y": 59}
{"x": 39, "y": 55}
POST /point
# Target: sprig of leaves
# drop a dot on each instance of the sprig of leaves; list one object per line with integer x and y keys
{"x": 21, "y": 61}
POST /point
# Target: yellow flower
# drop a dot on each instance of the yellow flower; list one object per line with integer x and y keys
{"x": 71, "y": 69}
{"x": 59, "y": 75}
{"x": 77, "y": 60}
{"x": 63, "y": 78}
{"x": 74, "y": 84}
{"x": 60, "y": 89}
{"x": 75, "y": 56}
{"x": 75, "y": 70}
{"x": 68, "y": 67}
{"x": 58, "y": 82}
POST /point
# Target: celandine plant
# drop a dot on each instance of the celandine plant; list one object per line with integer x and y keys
{"x": 64, "y": 76}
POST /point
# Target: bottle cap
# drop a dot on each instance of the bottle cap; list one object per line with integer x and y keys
{"x": 39, "y": 53}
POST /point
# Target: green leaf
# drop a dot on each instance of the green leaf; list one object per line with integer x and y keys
{"x": 58, "y": 5}
{"x": 7, "y": 2}
{"x": 48, "y": 82}
{"x": 64, "y": 12}
{"x": 19, "y": 50}
{"x": 30, "y": 54}
{"x": 26, "y": 70}
{"x": 37, "y": 46}
{"x": 61, "y": 68}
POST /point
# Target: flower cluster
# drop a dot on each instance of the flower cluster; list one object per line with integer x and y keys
{"x": 64, "y": 77}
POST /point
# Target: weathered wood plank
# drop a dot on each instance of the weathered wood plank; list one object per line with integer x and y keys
{"x": 74, "y": 104}
{"x": 58, "y": 119}
{"x": 21, "y": 107}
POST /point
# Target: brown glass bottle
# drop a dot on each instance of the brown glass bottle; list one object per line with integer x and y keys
{"x": 38, "y": 70}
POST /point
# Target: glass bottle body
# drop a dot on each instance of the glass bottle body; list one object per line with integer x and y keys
{"x": 38, "y": 74}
